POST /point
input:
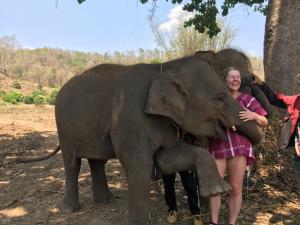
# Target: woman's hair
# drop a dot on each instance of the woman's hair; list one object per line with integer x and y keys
{"x": 227, "y": 70}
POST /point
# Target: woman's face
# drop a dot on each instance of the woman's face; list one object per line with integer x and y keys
{"x": 233, "y": 80}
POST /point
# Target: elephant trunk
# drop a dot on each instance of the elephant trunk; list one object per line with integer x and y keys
{"x": 221, "y": 126}
{"x": 249, "y": 128}
{"x": 231, "y": 113}
{"x": 260, "y": 96}
{"x": 247, "y": 86}
{"x": 205, "y": 167}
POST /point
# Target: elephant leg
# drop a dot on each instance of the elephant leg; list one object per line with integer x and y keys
{"x": 100, "y": 188}
{"x": 138, "y": 169}
{"x": 210, "y": 182}
{"x": 71, "y": 197}
{"x": 186, "y": 156}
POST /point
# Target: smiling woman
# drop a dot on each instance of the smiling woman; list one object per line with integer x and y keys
{"x": 237, "y": 152}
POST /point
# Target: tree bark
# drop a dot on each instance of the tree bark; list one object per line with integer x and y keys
{"x": 282, "y": 45}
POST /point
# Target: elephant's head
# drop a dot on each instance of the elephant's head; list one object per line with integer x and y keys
{"x": 234, "y": 58}
{"x": 194, "y": 97}
{"x": 226, "y": 58}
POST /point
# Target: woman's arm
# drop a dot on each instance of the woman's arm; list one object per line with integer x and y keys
{"x": 297, "y": 142}
{"x": 269, "y": 93}
{"x": 249, "y": 115}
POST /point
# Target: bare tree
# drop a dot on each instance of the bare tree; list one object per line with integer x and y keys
{"x": 161, "y": 39}
{"x": 181, "y": 40}
{"x": 188, "y": 40}
{"x": 8, "y": 45}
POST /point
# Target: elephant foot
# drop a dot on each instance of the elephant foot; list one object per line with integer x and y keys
{"x": 213, "y": 187}
{"x": 103, "y": 199}
{"x": 68, "y": 207}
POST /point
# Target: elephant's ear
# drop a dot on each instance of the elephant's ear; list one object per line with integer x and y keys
{"x": 167, "y": 97}
{"x": 206, "y": 56}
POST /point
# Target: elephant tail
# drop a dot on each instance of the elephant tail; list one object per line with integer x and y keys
{"x": 39, "y": 159}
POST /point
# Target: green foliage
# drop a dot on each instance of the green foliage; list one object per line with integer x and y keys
{"x": 28, "y": 99}
{"x": 78, "y": 61}
{"x": 206, "y": 12}
{"x": 258, "y": 5}
{"x": 38, "y": 92}
{"x": 205, "y": 17}
{"x": 32, "y": 98}
{"x": 2, "y": 93}
{"x": 13, "y": 97}
{"x": 155, "y": 61}
{"x": 16, "y": 85}
{"x": 40, "y": 97}
{"x": 52, "y": 96}
{"x": 40, "y": 100}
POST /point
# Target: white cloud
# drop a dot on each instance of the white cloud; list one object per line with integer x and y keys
{"x": 27, "y": 47}
{"x": 175, "y": 17}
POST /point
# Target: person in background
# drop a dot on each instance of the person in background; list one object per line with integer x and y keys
{"x": 289, "y": 132}
{"x": 237, "y": 153}
{"x": 189, "y": 183}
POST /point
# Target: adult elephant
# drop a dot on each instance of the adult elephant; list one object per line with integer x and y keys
{"x": 232, "y": 57}
{"x": 133, "y": 112}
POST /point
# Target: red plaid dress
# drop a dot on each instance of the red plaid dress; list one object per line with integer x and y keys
{"x": 237, "y": 144}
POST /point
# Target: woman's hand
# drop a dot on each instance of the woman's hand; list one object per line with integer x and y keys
{"x": 297, "y": 148}
{"x": 247, "y": 115}
{"x": 297, "y": 143}
{"x": 256, "y": 80}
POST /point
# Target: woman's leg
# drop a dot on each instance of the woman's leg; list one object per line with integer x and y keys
{"x": 215, "y": 202}
{"x": 190, "y": 186}
{"x": 170, "y": 197}
{"x": 236, "y": 169}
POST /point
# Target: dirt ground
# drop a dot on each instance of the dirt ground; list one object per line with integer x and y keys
{"x": 29, "y": 192}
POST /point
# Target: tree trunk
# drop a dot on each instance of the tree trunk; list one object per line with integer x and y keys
{"x": 282, "y": 45}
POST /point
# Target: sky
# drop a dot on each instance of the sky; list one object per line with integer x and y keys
{"x": 108, "y": 25}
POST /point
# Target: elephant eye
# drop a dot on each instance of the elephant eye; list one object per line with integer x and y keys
{"x": 221, "y": 97}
